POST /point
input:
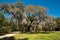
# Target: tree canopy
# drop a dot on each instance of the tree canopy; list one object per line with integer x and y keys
{"x": 29, "y": 18}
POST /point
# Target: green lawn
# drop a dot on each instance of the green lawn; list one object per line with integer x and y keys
{"x": 40, "y": 36}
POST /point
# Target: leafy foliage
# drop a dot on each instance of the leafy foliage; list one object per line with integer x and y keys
{"x": 58, "y": 22}
{"x": 4, "y": 27}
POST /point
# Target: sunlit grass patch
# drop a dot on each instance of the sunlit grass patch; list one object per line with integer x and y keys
{"x": 40, "y": 36}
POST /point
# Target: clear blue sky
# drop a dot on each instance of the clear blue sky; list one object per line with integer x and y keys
{"x": 52, "y": 5}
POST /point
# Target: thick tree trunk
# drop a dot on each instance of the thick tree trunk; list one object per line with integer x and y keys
{"x": 19, "y": 26}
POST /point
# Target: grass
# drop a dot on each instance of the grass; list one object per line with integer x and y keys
{"x": 40, "y": 36}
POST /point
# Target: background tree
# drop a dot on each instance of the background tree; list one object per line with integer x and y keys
{"x": 3, "y": 25}
{"x": 58, "y": 23}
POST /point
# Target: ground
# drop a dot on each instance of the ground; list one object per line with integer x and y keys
{"x": 40, "y": 36}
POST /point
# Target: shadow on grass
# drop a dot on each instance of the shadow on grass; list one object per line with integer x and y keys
{"x": 41, "y": 32}
{"x": 8, "y": 38}
{"x": 46, "y": 32}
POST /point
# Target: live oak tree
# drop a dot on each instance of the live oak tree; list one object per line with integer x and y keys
{"x": 29, "y": 18}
